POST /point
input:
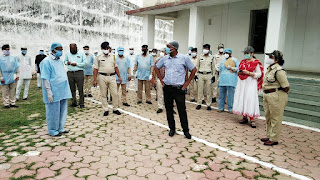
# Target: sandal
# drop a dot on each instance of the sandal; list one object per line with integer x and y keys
{"x": 253, "y": 124}
{"x": 243, "y": 121}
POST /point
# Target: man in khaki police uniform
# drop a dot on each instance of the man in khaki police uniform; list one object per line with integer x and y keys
{"x": 275, "y": 98}
{"x": 206, "y": 70}
{"x": 193, "y": 84}
{"x": 105, "y": 67}
{"x": 217, "y": 60}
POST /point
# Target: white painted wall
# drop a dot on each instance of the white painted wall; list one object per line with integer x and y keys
{"x": 148, "y": 3}
{"x": 181, "y": 30}
{"x": 302, "y": 41}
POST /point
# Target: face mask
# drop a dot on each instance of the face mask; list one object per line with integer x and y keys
{"x": 226, "y": 55}
{"x": 58, "y": 54}
{"x": 131, "y": 52}
{"x": 168, "y": 51}
{"x": 86, "y": 51}
{"x": 120, "y": 53}
{"x": 205, "y": 51}
{"x": 221, "y": 50}
{"x": 24, "y": 52}
{"x": 41, "y": 53}
{"x": 6, "y": 52}
{"x": 161, "y": 54}
{"x": 153, "y": 54}
{"x": 193, "y": 55}
{"x": 189, "y": 52}
{"x": 113, "y": 52}
{"x": 269, "y": 61}
{"x": 95, "y": 54}
{"x": 247, "y": 56}
{"x": 106, "y": 52}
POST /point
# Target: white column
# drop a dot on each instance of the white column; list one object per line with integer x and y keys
{"x": 196, "y": 27}
{"x": 148, "y": 30}
{"x": 277, "y": 24}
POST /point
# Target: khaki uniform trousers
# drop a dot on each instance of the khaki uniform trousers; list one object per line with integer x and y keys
{"x": 193, "y": 89}
{"x": 146, "y": 89}
{"x": 104, "y": 83}
{"x": 8, "y": 94}
{"x": 205, "y": 80}
{"x": 123, "y": 92}
{"x": 88, "y": 81}
{"x": 274, "y": 104}
{"x": 160, "y": 94}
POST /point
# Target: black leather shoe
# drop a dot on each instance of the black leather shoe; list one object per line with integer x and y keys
{"x": 209, "y": 108}
{"x": 264, "y": 139}
{"x": 139, "y": 102}
{"x": 270, "y": 143}
{"x": 90, "y": 95}
{"x": 149, "y": 102}
{"x": 187, "y": 135}
{"x": 171, "y": 133}
{"x": 73, "y": 105}
{"x": 106, "y": 113}
{"x": 64, "y": 132}
{"x": 25, "y": 98}
{"x": 198, "y": 107}
{"x": 85, "y": 95}
{"x": 214, "y": 100}
{"x": 117, "y": 112}
{"x": 6, "y": 107}
{"x": 58, "y": 135}
{"x": 81, "y": 106}
{"x": 14, "y": 106}
{"x": 126, "y": 104}
{"x": 156, "y": 99}
{"x": 192, "y": 100}
{"x": 159, "y": 111}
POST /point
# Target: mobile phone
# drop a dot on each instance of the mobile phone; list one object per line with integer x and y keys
{"x": 240, "y": 70}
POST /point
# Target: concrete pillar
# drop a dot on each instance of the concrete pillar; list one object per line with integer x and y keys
{"x": 148, "y": 30}
{"x": 277, "y": 24}
{"x": 196, "y": 27}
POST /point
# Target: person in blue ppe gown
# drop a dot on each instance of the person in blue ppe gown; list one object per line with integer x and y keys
{"x": 55, "y": 90}
{"x": 125, "y": 74}
{"x": 9, "y": 74}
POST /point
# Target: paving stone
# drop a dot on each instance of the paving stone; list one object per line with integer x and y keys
{"x": 43, "y": 173}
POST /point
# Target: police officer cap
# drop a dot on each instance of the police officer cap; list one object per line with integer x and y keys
{"x": 194, "y": 50}
{"x": 55, "y": 45}
{"x": 104, "y": 45}
{"x": 5, "y": 46}
{"x": 220, "y": 46}
{"x": 144, "y": 46}
{"x": 248, "y": 49}
{"x": 174, "y": 44}
{"x": 277, "y": 54}
{"x": 206, "y": 46}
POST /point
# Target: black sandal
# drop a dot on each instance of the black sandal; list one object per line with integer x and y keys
{"x": 253, "y": 124}
{"x": 243, "y": 121}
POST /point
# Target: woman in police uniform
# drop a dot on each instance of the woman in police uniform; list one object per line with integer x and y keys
{"x": 275, "y": 98}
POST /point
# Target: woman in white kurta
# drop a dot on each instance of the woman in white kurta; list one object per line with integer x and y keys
{"x": 250, "y": 76}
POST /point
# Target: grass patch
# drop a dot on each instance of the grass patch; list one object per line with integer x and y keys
{"x": 23, "y": 177}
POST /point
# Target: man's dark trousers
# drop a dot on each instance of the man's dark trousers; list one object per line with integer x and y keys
{"x": 76, "y": 78}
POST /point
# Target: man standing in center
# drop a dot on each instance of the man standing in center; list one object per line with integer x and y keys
{"x": 174, "y": 85}
{"x": 143, "y": 67}
{"x": 105, "y": 67}
{"x": 206, "y": 71}
{"x": 217, "y": 60}
{"x": 75, "y": 61}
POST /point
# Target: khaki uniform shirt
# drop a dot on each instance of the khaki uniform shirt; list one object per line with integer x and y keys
{"x": 272, "y": 81}
{"x": 206, "y": 64}
{"x": 105, "y": 64}
{"x": 217, "y": 60}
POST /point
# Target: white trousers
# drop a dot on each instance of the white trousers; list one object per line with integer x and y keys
{"x": 38, "y": 80}
{"x": 160, "y": 94}
{"x": 26, "y": 88}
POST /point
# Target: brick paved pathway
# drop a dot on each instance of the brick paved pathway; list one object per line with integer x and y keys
{"x": 125, "y": 147}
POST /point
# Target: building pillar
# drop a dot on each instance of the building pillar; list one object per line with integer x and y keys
{"x": 277, "y": 24}
{"x": 196, "y": 27}
{"x": 148, "y": 30}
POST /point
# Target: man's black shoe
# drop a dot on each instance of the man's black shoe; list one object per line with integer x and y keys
{"x": 214, "y": 100}
{"x": 208, "y": 108}
{"x": 58, "y": 135}
{"x": 81, "y": 106}
{"x": 148, "y": 102}
{"x": 90, "y": 95}
{"x": 14, "y": 106}
{"x": 73, "y": 105}
{"x": 139, "y": 102}
{"x": 156, "y": 99}
{"x": 85, "y": 95}
{"x": 192, "y": 100}
{"x": 117, "y": 112}
{"x": 25, "y": 98}
{"x": 6, "y": 107}
{"x": 171, "y": 133}
{"x": 64, "y": 132}
{"x": 159, "y": 111}
{"x": 106, "y": 113}
{"x": 126, "y": 104}
{"x": 203, "y": 102}
{"x": 187, "y": 135}
{"x": 198, "y": 107}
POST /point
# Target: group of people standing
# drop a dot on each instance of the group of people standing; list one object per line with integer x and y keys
{"x": 209, "y": 77}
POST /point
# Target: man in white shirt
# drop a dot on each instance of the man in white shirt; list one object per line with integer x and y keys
{"x": 25, "y": 74}
{"x": 132, "y": 59}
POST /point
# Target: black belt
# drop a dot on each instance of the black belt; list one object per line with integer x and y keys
{"x": 107, "y": 74}
{"x": 75, "y": 71}
{"x": 272, "y": 90}
{"x": 204, "y": 72}
{"x": 174, "y": 87}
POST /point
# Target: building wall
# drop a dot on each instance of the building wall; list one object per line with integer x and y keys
{"x": 148, "y": 3}
{"x": 302, "y": 41}
{"x": 181, "y": 30}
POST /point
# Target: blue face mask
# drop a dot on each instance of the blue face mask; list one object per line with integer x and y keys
{"x": 120, "y": 53}
{"x": 168, "y": 51}
{"x": 24, "y": 52}
{"x": 95, "y": 54}
{"x": 41, "y": 53}
{"x": 58, "y": 53}
{"x": 247, "y": 56}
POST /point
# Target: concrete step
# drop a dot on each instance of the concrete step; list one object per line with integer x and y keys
{"x": 304, "y": 87}
{"x": 308, "y": 96}
{"x": 303, "y": 80}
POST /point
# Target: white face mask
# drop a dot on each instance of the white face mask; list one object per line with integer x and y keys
{"x": 205, "y": 51}
{"x": 153, "y": 54}
{"x": 106, "y": 52}
{"x": 189, "y": 52}
{"x": 193, "y": 55}
{"x": 131, "y": 52}
{"x": 269, "y": 61}
{"x": 221, "y": 50}
{"x": 226, "y": 55}
{"x": 161, "y": 54}
{"x": 86, "y": 51}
